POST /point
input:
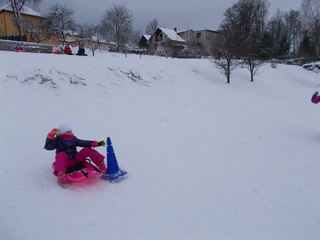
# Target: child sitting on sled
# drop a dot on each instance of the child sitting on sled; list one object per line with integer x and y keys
{"x": 18, "y": 48}
{"x": 65, "y": 143}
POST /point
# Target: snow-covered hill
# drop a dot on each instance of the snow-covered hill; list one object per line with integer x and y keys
{"x": 205, "y": 159}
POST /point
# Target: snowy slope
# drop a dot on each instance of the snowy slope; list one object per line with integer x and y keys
{"x": 205, "y": 159}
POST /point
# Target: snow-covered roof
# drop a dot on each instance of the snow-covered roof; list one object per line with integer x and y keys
{"x": 172, "y": 34}
{"x": 101, "y": 40}
{"x": 25, "y": 10}
{"x": 76, "y": 35}
{"x": 71, "y": 32}
{"x": 199, "y": 30}
{"x": 147, "y": 36}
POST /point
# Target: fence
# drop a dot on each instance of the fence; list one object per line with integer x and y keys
{"x": 8, "y": 45}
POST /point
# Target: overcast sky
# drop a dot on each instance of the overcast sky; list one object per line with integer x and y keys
{"x": 195, "y": 14}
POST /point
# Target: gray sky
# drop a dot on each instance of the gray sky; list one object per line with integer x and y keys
{"x": 197, "y": 14}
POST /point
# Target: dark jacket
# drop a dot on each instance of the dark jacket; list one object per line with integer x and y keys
{"x": 67, "y": 146}
{"x": 81, "y": 51}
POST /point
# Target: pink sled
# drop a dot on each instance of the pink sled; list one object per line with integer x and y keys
{"x": 75, "y": 174}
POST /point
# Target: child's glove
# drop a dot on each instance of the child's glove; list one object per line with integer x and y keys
{"x": 53, "y": 132}
{"x": 102, "y": 143}
{"x": 96, "y": 143}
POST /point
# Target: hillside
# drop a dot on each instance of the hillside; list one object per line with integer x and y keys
{"x": 205, "y": 159}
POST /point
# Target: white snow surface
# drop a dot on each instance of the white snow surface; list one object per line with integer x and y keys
{"x": 205, "y": 159}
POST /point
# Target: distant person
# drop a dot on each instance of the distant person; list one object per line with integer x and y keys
{"x": 18, "y": 48}
{"x": 81, "y": 51}
{"x": 315, "y": 98}
{"x": 56, "y": 49}
{"x": 67, "y": 50}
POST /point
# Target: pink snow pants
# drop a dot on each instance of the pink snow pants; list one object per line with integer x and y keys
{"x": 63, "y": 162}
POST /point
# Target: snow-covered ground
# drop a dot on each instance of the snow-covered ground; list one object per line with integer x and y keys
{"x": 205, "y": 159}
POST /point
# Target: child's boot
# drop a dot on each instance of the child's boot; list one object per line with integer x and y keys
{"x": 63, "y": 180}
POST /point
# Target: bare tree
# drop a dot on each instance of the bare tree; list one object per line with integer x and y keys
{"x": 242, "y": 29}
{"x": 278, "y": 31}
{"x": 60, "y": 20}
{"x": 310, "y": 13}
{"x": 248, "y": 18}
{"x": 37, "y": 29}
{"x": 262, "y": 12}
{"x": 89, "y": 35}
{"x": 307, "y": 47}
{"x": 226, "y": 46}
{"x": 17, "y": 6}
{"x": 252, "y": 63}
{"x": 294, "y": 28}
{"x": 117, "y": 25}
{"x": 152, "y": 26}
{"x": 135, "y": 37}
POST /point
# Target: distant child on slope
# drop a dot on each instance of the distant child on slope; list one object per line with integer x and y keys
{"x": 18, "y": 48}
{"x": 67, "y": 50}
{"x": 65, "y": 143}
{"x": 55, "y": 49}
{"x": 81, "y": 51}
{"x": 315, "y": 98}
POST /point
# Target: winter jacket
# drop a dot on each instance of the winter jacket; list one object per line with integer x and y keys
{"x": 67, "y": 146}
{"x": 56, "y": 49}
{"x": 81, "y": 51}
{"x": 67, "y": 50}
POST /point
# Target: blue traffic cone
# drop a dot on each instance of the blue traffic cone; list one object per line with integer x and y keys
{"x": 113, "y": 171}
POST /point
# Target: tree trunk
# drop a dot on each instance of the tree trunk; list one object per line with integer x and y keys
{"x": 228, "y": 72}
{"x": 16, "y": 11}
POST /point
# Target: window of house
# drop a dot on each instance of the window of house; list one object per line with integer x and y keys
{"x": 14, "y": 33}
{"x": 155, "y": 45}
{"x": 12, "y": 20}
{"x": 159, "y": 37}
{"x": 198, "y": 35}
{"x": 1, "y": 19}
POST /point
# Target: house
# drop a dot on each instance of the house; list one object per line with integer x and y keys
{"x": 201, "y": 38}
{"x": 9, "y": 30}
{"x": 104, "y": 45}
{"x": 167, "y": 37}
{"x": 164, "y": 37}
